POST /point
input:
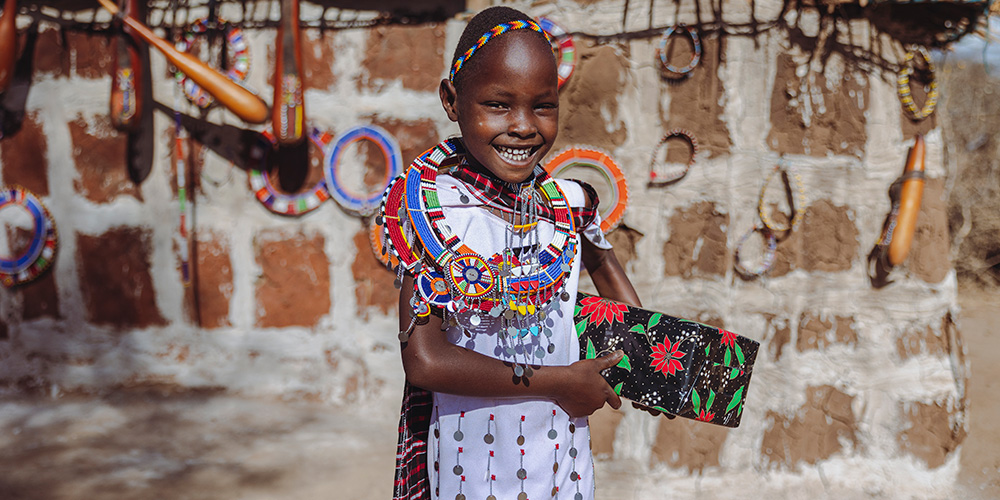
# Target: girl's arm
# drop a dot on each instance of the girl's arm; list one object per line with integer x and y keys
{"x": 433, "y": 363}
{"x": 608, "y": 275}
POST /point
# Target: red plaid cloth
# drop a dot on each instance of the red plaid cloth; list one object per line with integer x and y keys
{"x": 502, "y": 195}
{"x": 412, "y": 481}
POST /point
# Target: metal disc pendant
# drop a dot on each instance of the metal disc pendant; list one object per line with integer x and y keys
{"x": 520, "y": 440}
{"x": 542, "y": 315}
{"x": 539, "y": 353}
{"x": 553, "y": 433}
{"x": 396, "y": 283}
{"x": 474, "y": 320}
{"x": 522, "y": 474}
{"x": 488, "y": 438}
{"x": 496, "y": 311}
{"x": 509, "y": 314}
{"x": 459, "y": 436}
{"x": 551, "y": 348}
{"x": 437, "y": 434}
{"x": 528, "y": 372}
{"x": 404, "y": 337}
{"x": 573, "y": 476}
{"x": 463, "y": 198}
{"x": 578, "y": 496}
{"x": 458, "y": 470}
{"x": 564, "y": 296}
{"x": 555, "y": 491}
{"x": 518, "y": 370}
{"x": 512, "y": 331}
{"x": 522, "y": 496}
{"x": 555, "y": 467}
{"x": 459, "y": 497}
{"x": 572, "y": 428}
{"x": 572, "y": 452}
{"x": 491, "y": 497}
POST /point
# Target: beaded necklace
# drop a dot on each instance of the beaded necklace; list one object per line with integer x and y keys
{"x": 517, "y": 288}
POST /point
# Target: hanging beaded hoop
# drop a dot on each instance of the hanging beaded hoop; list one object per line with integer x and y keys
{"x": 600, "y": 161}
{"x": 567, "y": 51}
{"x": 42, "y": 248}
{"x": 237, "y": 52}
{"x": 362, "y": 203}
{"x": 766, "y": 262}
{"x": 798, "y": 211}
{"x": 655, "y": 178}
{"x": 376, "y": 237}
{"x": 285, "y": 204}
{"x": 903, "y": 85}
{"x": 662, "y": 50}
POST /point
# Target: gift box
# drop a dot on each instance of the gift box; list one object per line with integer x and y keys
{"x": 671, "y": 364}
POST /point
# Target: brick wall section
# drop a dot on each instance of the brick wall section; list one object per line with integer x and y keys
{"x": 24, "y": 157}
{"x": 293, "y": 288}
{"x": 115, "y": 278}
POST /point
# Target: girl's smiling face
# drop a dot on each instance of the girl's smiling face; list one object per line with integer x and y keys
{"x": 508, "y": 107}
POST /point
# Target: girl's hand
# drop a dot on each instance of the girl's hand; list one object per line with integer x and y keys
{"x": 584, "y": 390}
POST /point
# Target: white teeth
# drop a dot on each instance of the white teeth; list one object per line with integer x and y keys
{"x": 513, "y": 154}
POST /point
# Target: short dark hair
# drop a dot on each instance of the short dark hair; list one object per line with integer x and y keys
{"x": 482, "y": 22}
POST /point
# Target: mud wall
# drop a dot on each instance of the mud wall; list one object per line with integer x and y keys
{"x": 857, "y": 388}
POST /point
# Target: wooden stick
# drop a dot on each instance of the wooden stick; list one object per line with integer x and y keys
{"x": 237, "y": 99}
{"x": 8, "y": 43}
{"x": 911, "y": 194}
{"x": 288, "y": 107}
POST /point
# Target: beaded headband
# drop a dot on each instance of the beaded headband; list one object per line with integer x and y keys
{"x": 489, "y": 35}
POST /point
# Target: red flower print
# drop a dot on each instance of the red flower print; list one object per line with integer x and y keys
{"x": 664, "y": 355}
{"x": 705, "y": 416}
{"x": 728, "y": 338}
{"x": 599, "y": 310}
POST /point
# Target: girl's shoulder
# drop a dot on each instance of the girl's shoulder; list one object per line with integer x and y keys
{"x": 579, "y": 194}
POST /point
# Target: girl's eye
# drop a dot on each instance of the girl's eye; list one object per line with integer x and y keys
{"x": 497, "y": 105}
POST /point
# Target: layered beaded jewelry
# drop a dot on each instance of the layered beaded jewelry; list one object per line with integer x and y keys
{"x": 903, "y": 85}
{"x": 519, "y": 289}
{"x": 695, "y": 57}
{"x": 655, "y": 178}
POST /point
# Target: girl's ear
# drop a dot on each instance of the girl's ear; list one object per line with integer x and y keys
{"x": 449, "y": 98}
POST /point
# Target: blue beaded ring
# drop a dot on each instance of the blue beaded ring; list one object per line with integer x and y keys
{"x": 362, "y": 203}
{"x": 40, "y": 252}
{"x": 695, "y": 58}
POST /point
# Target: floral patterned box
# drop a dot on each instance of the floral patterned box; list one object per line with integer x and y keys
{"x": 673, "y": 365}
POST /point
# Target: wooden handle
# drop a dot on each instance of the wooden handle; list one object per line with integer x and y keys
{"x": 911, "y": 194}
{"x": 8, "y": 43}
{"x": 237, "y": 99}
{"x": 288, "y": 107}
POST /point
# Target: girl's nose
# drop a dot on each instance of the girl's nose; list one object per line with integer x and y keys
{"x": 522, "y": 125}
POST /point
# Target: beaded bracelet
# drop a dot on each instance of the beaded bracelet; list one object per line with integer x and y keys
{"x": 613, "y": 175}
{"x": 362, "y": 203}
{"x": 238, "y": 56}
{"x": 655, "y": 178}
{"x": 797, "y": 212}
{"x": 903, "y": 85}
{"x": 768, "y": 260}
{"x": 567, "y": 51}
{"x": 42, "y": 248}
{"x": 662, "y": 50}
{"x": 280, "y": 203}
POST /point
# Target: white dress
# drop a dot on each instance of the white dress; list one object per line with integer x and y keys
{"x": 507, "y": 448}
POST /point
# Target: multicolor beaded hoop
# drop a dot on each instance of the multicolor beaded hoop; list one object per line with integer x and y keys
{"x": 766, "y": 262}
{"x": 567, "y": 51}
{"x": 903, "y": 85}
{"x": 287, "y": 204}
{"x": 662, "y": 50}
{"x": 237, "y": 53}
{"x": 40, "y": 252}
{"x": 489, "y": 35}
{"x": 363, "y": 204}
{"x": 433, "y": 288}
{"x": 655, "y": 178}
{"x": 798, "y": 211}
{"x": 583, "y": 157}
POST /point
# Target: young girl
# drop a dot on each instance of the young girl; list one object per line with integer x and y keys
{"x": 497, "y": 398}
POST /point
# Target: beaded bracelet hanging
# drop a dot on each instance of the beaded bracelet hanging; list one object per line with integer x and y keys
{"x": 768, "y": 259}
{"x": 361, "y": 203}
{"x": 655, "y": 178}
{"x": 42, "y": 248}
{"x": 567, "y": 51}
{"x": 797, "y": 212}
{"x": 662, "y": 50}
{"x": 903, "y": 85}
{"x": 271, "y": 198}
{"x": 237, "y": 53}
{"x": 613, "y": 175}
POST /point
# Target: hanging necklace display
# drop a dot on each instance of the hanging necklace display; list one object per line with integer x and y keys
{"x": 661, "y": 51}
{"x": 766, "y": 261}
{"x": 361, "y": 203}
{"x": 41, "y": 249}
{"x": 280, "y": 203}
{"x": 903, "y": 85}
{"x": 288, "y": 108}
{"x": 236, "y": 52}
{"x": 566, "y": 55}
{"x": 609, "y": 170}
{"x": 125, "y": 77}
{"x": 184, "y": 235}
{"x": 660, "y": 179}
{"x": 797, "y": 212}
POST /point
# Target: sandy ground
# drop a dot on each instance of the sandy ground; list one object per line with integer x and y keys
{"x": 148, "y": 444}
